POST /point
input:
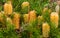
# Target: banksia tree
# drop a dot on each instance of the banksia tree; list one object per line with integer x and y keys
{"x": 32, "y": 15}
{"x": 8, "y": 8}
{"x": 25, "y": 18}
{"x": 16, "y": 20}
{"x": 45, "y": 30}
{"x": 54, "y": 17}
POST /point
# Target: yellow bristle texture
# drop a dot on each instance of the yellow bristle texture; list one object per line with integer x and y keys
{"x": 25, "y": 4}
{"x": 40, "y": 19}
{"x": 32, "y": 15}
{"x": 45, "y": 29}
{"x": 16, "y": 20}
{"x": 25, "y": 18}
{"x": 54, "y": 17}
{"x": 8, "y": 8}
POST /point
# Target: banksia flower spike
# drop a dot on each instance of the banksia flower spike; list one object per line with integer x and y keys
{"x": 25, "y": 7}
{"x": 32, "y": 15}
{"x": 25, "y": 4}
{"x": 25, "y": 18}
{"x": 54, "y": 17}
{"x": 40, "y": 19}
{"x": 45, "y": 30}
{"x": 16, "y": 20}
{"x": 8, "y": 8}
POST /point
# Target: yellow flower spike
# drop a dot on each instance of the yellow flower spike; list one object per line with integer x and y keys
{"x": 54, "y": 17}
{"x": 8, "y": 8}
{"x": 16, "y": 20}
{"x": 44, "y": 10}
{"x": 25, "y": 18}
{"x": 32, "y": 15}
{"x": 49, "y": 10}
{"x": 45, "y": 30}
{"x": 25, "y": 4}
{"x": 40, "y": 18}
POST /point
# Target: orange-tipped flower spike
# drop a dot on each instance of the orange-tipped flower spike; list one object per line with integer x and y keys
{"x": 32, "y": 15}
{"x": 16, "y": 20}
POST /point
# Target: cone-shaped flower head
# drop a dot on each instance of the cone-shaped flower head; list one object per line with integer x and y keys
{"x": 16, "y": 20}
{"x": 54, "y": 17}
{"x": 25, "y": 18}
{"x": 32, "y": 15}
{"x": 25, "y": 4}
{"x": 45, "y": 29}
{"x": 8, "y": 8}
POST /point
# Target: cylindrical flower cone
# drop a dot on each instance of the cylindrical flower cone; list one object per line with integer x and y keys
{"x": 25, "y": 18}
{"x": 54, "y": 17}
{"x": 8, "y": 8}
{"x": 25, "y": 7}
{"x": 32, "y": 16}
{"x": 16, "y": 20}
{"x": 45, "y": 30}
{"x": 40, "y": 19}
